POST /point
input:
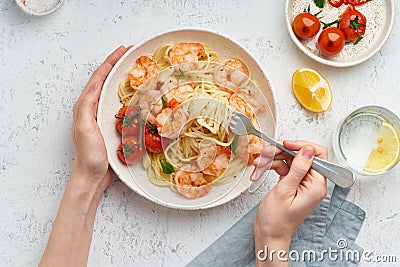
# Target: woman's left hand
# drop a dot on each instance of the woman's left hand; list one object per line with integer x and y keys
{"x": 91, "y": 160}
{"x": 71, "y": 235}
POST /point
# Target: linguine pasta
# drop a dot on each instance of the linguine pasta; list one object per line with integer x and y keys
{"x": 191, "y": 105}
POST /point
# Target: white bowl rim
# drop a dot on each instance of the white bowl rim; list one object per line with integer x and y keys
{"x": 339, "y": 64}
{"x": 38, "y": 14}
{"x": 222, "y": 200}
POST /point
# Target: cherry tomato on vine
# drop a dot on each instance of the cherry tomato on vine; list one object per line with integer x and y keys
{"x": 331, "y": 41}
{"x": 122, "y": 111}
{"x": 127, "y": 121}
{"x": 353, "y": 24}
{"x": 126, "y": 110}
{"x": 130, "y": 150}
{"x": 306, "y": 25}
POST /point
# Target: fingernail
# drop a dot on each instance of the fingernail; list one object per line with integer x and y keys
{"x": 253, "y": 177}
{"x": 308, "y": 152}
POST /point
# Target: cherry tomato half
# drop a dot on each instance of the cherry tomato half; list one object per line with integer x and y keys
{"x": 331, "y": 41}
{"x": 336, "y": 3}
{"x": 355, "y": 18}
{"x": 129, "y": 151}
{"x": 127, "y": 121}
{"x": 152, "y": 140}
{"x": 306, "y": 25}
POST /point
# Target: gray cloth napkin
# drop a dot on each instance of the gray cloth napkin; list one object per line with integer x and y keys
{"x": 332, "y": 226}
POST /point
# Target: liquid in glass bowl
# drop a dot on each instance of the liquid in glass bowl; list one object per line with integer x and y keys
{"x": 368, "y": 140}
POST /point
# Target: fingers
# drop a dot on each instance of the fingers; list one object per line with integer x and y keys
{"x": 300, "y": 166}
{"x": 257, "y": 174}
{"x": 320, "y": 151}
{"x": 280, "y": 167}
{"x": 272, "y": 152}
{"x": 101, "y": 73}
{"x": 85, "y": 108}
{"x": 262, "y": 163}
{"x": 267, "y": 161}
{"x": 281, "y": 161}
{"x": 277, "y": 165}
{"x": 269, "y": 151}
{"x": 90, "y": 95}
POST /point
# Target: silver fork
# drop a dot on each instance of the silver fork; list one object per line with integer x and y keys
{"x": 343, "y": 177}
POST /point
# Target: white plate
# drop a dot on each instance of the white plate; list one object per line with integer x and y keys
{"x": 109, "y": 105}
{"x": 380, "y": 17}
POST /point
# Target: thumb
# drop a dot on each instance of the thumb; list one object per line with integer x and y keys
{"x": 301, "y": 164}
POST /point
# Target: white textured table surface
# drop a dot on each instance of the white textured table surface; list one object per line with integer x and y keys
{"x": 44, "y": 64}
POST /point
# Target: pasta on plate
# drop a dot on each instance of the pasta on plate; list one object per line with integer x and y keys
{"x": 177, "y": 109}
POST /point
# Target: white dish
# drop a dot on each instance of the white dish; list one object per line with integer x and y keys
{"x": 50, "y": 9}
{"x": 109, "y": 105}
{"x": 380, "y": 18}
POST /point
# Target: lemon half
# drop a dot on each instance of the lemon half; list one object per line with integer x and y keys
{"x": 311, "y": 90}
{"x": 387, "y": 151}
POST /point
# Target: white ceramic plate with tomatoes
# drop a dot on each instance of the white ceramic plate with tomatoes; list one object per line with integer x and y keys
{"x": 135, "y": 177}
{"x": 321, "y": 46}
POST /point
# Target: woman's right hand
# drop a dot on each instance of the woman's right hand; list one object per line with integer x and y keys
{"x": 299, "y": 190}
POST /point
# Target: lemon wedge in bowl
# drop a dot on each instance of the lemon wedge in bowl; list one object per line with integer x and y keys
{"x": 311, "y": 90}
{"x": 387, "y": 151}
